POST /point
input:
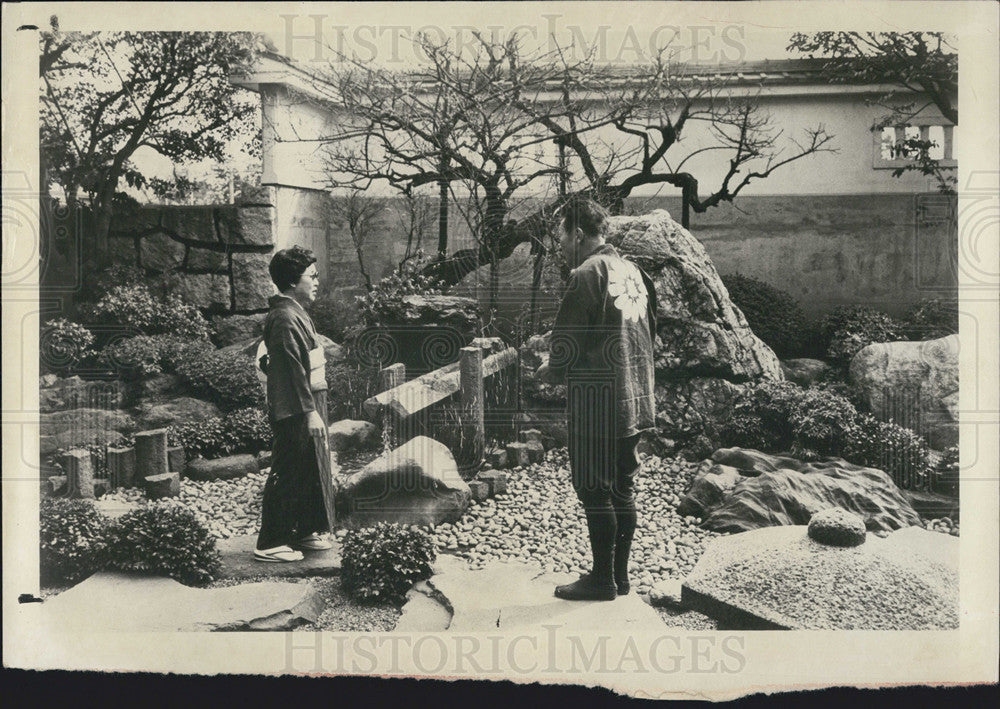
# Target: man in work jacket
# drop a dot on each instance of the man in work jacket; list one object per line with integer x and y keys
{"x": 293, "y": 513}
{"x": 602, "y": 347}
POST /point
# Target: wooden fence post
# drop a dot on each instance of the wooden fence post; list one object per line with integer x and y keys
{"x": 470, "y": 379}
{"x": 389, "y": 378}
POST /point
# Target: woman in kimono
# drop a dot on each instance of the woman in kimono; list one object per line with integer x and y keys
{"x": 293, "y": 514}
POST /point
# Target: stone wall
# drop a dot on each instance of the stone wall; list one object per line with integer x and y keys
{"x": 216, "y": 257}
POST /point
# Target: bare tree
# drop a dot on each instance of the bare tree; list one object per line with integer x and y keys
{"x": 475, "y": 120}
{"x": 362, "y": 215}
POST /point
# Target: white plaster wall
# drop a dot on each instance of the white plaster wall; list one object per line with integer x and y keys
{"x": 294, "y": 129}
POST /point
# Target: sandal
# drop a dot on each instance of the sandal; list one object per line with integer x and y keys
{"x": 313, "y": 542}
{"x": 281, "y": 554}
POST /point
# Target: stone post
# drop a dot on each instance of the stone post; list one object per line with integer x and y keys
{"x": 151, "y": 453}
{"x": 79, "y": 474}
{"x": 121, "y": 467}
{"x": 470, "y": 378}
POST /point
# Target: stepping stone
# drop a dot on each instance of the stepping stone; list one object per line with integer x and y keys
{"x": 777, "y": 578}
{"x": 517, "y": 455}
{"x": 422, "y": 614}
{"x": 238, "y": 561}
{"x": 115, "y": 602}
{"x": 496, "y": 480}
{"x": 480, "y": 490}
{"x": 507, "y": 596}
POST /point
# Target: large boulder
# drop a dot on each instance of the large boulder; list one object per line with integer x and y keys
{"x": 779, "y": 578}
{"x": 74, "y": 428}
{"x": 226, "y": 468}
{"x": 350, "y": 435}
{"x": 701, "y": 332}
{"x": 417, "y": 483}
{"x": 427, "y": 331}
{"x": 915, "y": 383}
{"x": 58, "y": 394}
{"x": 774, "y": 490}
{"x": 183, "y": 409}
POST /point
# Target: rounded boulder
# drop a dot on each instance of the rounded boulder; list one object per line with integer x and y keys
{"x": 837, "y": 527}
{"x": 233, "y": 466}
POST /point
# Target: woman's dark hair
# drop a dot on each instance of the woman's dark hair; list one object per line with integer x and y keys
{"x": 288, "y": 265}
{"x": 588, "y": 215}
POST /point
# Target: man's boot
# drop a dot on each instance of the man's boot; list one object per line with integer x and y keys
{"x": 626, "y": 522}
{"x": 599, "y": 584}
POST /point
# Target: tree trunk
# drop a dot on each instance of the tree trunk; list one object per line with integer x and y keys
{"x": 442, "y": 249}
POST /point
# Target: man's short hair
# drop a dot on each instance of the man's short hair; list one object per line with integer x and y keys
{"x": 584, "y": 213}
{"x": 288, "y": 265}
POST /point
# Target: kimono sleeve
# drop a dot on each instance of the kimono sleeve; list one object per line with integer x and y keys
{"x": 574, "y": 321}
{"x": 288, "y": 356}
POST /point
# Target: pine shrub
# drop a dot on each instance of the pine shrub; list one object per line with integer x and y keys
{"x": 381, "y": 563}
{"x": 164, "y": 540}
{"x": 72, "y": 535}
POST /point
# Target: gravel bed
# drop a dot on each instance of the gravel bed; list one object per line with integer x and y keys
{"x": 228, "y": 508}
{"x": 943, "y": 525}
{"x": 540, "y": 520}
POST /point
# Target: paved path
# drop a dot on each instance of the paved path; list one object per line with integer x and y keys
{"x": 116, "y": 602}
{"x": 238, "y": 561}
{"x": 506, "y": 596}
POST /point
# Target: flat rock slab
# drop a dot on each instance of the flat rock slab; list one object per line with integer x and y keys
{"x": 114, "y": 602}
{"x": 238, "y": 561}
{"x": 779, "y": 578}
{"x": 507, "y": 596}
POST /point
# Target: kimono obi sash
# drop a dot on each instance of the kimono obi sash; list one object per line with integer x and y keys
{"x": 317, "y": 369}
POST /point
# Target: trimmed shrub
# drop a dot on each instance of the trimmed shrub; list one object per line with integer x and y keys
{"x": 134, "y": 307}
{"x": 64, "y": 344}
{"x": 205, "y": 438}
{"x": 888, "y": 446}
{"x": 148, "y": 355}
{"x": 931, "y": 318}
{"x": 164, "y": 540}
{"x": 72, "y": 534}
{"x": 382, "y": 562}
{"x": 385, "y": 295}
{"x": 227, "y": 378}
{"x": 243, "y": 431}
{"x": 761, "y": 417}
{"x": 773, "y": 315}
{"x": 849, "y": 329}
{"x": 821, "y": 423}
